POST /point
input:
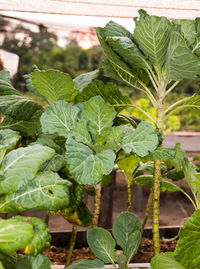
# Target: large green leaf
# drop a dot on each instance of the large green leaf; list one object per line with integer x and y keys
{"x": 86, "y": 264}
{"x": 190, "y": 172}
{"x": 26, "y": 128}
{"x": 83, "y": 80}
{"x": 102, "y": 244}
{"x": 117, "y": 66}
{"x": 9, "y": 261}
{"x": 132, "y": 245}
{"x": 180, "y": 61}
{"x": 128, "y": 163}
{"x": 59, "y": 118}
{"x": 187, "y": 250}
{"x": 1, "y": 265}
{"x": 84, "y": 165}
{"x": 52, "y": 141}
{"x": 189, "y": 29}
{"x": 152, "y": 35}
{"x": 40, "y": 239}
{"x": 54, "y": 164}
{"x": 18, "y": 107}
{"x": 162, "y": 154}
{"x": 53, "y": 84}
{"x": 21, "y": 165}
{"x": 128, "y": 51}
{"x": 80, "y": 133}
{"x": 8, "y": 140}
{"x": 29, "y": 262}
{"x": 115, "y": 138}
{"x": 164, "y": 184}
{"x": 124, "y": 225}
{"x": 141, "y": 141}
{"x": 15, "y": 234}
{"x": 109, "y": 92}
{"x": 114, "y": 29}
{"x": 100, "y": 115}
{"x": 47, "y": 191}
{"x": 7, "y": 89}
{"x": 166, "y": 261}
{"x": 30, "y": 87}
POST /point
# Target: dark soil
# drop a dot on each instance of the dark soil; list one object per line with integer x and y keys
{"x": 58, "y": 255}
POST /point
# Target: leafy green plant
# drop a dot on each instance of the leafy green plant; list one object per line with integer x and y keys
{"x": 154, "y": 60}
{"x": 77, "y": 144}
{"x": 186, "y": 254}
{"x": 30, "y": 234}
{"x": 126, "y": 231}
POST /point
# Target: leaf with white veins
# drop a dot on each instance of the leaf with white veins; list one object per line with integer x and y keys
{"x": 21, "y": 165}
{"x": 141, "y": 141}
{"x": 59, "y": 118}
{"x": 47, "y": 191}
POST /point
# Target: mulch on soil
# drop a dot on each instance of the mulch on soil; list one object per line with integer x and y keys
{"x": 57, "y": 255}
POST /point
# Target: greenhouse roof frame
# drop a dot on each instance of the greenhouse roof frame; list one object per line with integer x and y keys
{"x": 173, "y": 9}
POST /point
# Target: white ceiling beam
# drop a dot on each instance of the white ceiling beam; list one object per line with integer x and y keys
{"x": 173, "y": 9}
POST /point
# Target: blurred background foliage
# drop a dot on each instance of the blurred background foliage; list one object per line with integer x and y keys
{"x": 41, "y": 48}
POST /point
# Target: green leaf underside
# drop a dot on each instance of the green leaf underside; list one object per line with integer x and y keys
{"x": 84, "y": 166}
{"x": 141, "y": 141}
{"x": 119, "y": 69}
{"x": 21, "y": 165}
{"x": 53, "y": 84}
{"x": 29, "y": 262}
{"x": 102, "y": 244}
{"x": 124, "y": 225}
{"x": 87, "y": 264}
{"x": 166, "y": 261}
{"x": 59, "y": 118}
{"x": 180, "y": 61}
{"x": 152, "y": 35}
{"x": 15, "y": 234}
{"x": 187, "y": 250}
{"x": 129, "y": 52}
{"x": 109, "y": 92}
{"x": 47, "y": 191}
{"x": 40, "y": 239}
{"x": 83, "y": 80}
{"x": 26, "y": 128}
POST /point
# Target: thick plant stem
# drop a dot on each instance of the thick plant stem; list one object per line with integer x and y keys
{"x": 148, "y": 208}
{"x": 129, "y": 196}
{"x": 97, "y": 200}
{"x": 47, "y": 218}
{"x": 156, "y": 208}
{"x": 72, "y": 243}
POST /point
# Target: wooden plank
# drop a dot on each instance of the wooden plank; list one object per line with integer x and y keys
{"x": 110, "y": 8}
